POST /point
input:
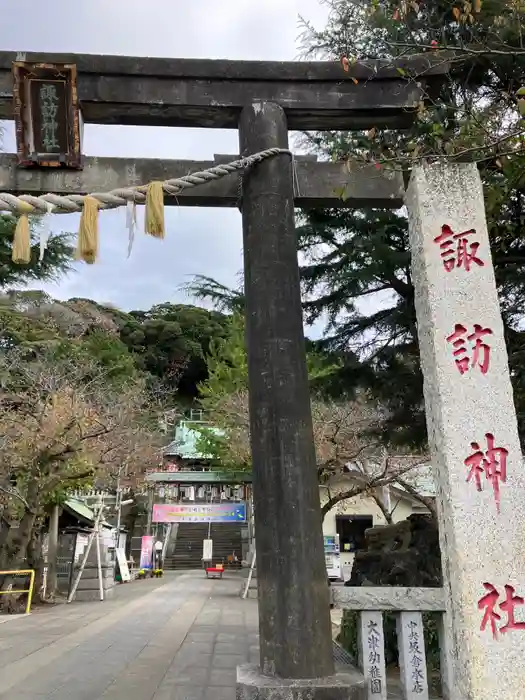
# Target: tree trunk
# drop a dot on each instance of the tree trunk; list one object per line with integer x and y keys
{"x": 14, "y": 553}
{"x": 386, "y": 513}
{"x": 35, "y": 558}
{"x": 19, "y": 541}
{"x": 15, "y": 557}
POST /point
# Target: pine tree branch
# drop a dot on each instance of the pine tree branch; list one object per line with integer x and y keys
{"x": 466, "y": 50}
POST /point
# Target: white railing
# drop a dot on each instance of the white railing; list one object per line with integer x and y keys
{"x": 408, "y": 604}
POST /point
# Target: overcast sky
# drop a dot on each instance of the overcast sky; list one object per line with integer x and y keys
{"x": 199, "y": 240}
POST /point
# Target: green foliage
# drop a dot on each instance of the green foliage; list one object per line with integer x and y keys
{"x": 170, "y": 341}
{"x": 224, "y": 395}
{"x": 218, "y": 445}
{"x": 57, "y": 260}
{"x": 475, "y": 115}
{"x": 166, "y": 344}
{"x": 224, "y": 299}
{"x": 100, "y": 351}
{"x": 357, "y": 268}
{"x": 16, "y": 328}
{"x": 227, "y": 365}
{"x": 86, "y": 480}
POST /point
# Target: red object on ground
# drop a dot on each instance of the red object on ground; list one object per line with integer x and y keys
{"x": 215, "y": 571}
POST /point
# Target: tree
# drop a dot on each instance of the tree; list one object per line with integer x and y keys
{"x": 345, "y": 432}
{"x": 170, "y": 342}
{"x": 167, "y": 343}
{"x": 475, "y": 115}
{"x": 64, "y": 425}
{"x": 56, "y": 261}
{"x": 222, "y": 297}
{"x": 357, "y": 263}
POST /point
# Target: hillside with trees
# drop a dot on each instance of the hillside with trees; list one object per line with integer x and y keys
{"x": 84, "y": 388}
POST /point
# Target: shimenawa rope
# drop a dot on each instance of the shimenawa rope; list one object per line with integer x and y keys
{"x": 66, "y": 204}
{"x": 152, "y": 195}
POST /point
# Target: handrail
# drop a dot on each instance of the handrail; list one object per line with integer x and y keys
{"x": 29, "y": 590}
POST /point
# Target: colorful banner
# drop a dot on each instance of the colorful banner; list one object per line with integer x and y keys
{"x": 146, "y": 552}
{"x": 200, "y": 513}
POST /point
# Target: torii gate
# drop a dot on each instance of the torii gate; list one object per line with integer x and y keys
{"x": 263, "y": 100}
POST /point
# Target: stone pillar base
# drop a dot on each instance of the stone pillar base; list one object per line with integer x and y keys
{"x": 252, "y": 685}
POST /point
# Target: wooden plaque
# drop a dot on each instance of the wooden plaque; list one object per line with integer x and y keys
{"x": 47, "y": 115}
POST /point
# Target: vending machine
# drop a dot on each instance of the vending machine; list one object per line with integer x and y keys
{"x": 332, "y": 555}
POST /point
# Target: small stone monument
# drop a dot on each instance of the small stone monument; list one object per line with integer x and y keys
{"x": 472, "y": 432}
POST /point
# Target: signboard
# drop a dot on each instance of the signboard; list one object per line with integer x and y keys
{"x": 123, "y": 565}
{"x": 146, "y": 552}
{"x": 207, "y": 550}
{"x": 108, "y": 537}
{"x": 199, "y": 513}
{"x": 47, "y": 116}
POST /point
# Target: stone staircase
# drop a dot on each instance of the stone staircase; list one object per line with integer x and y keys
{"x": 188, "y": 546}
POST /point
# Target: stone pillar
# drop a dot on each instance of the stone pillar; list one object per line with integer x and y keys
{"x": 294, "y": 616}
{"x": 472, "y": 432}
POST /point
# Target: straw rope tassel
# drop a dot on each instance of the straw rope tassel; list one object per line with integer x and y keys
{"x": 21, "y": 254}
{"x": 154, "y": 215}
{"x": 87, "y": 243}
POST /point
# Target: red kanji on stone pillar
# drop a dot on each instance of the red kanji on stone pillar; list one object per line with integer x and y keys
{"x": 493, "y": 463}
{"x": 480, "y": 350}
{"x": 489, "y": 602}
{"x": 457, "y": 250}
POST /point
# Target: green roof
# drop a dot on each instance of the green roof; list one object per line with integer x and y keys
{"x": 80, "y": 510}
{"x": 84, "y": 513}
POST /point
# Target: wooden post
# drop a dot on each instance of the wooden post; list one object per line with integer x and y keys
{"x": 294, "y": 617}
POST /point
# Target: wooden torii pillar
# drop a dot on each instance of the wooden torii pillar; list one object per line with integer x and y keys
{"x": 263, "y": 100}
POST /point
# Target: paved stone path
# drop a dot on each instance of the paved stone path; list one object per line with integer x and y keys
{"x": 180, "y": 640}
{"x": 177, "y": 638}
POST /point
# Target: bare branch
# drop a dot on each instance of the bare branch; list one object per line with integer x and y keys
{"x": 425, "y": 500}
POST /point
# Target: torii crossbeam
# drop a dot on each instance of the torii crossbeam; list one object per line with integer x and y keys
{"x": 213, "y": 93}
{"x": 263, "y": 100}
{"x": 318, "y": 184}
